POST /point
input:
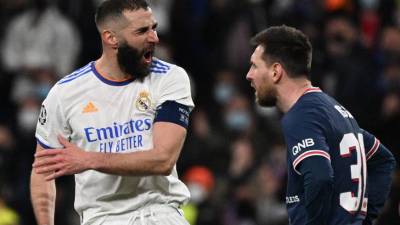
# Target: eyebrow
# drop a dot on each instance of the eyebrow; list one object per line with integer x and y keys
{"x": 146, "y": 28}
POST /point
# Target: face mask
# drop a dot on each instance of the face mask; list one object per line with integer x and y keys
{"x": 223, "y": 93}
{"x": 27, "y": 119}
{"x": 130, "y": 61}
{"x": 42, "y": 90}
{"x": 238, "y": 120}
{"x": 369, "y": 4}
{"x": 197, "y": 193}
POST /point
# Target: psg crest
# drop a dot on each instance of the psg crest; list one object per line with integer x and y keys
{"x": 43, "y": 115}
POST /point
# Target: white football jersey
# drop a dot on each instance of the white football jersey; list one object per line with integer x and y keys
{"x": 106, "y": 116}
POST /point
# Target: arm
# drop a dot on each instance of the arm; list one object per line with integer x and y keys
{"x": 168, "y": 139}
{"x": 380, "y": 167}
{"x": 318, "y": 188}
{"x": 311, "y": 162}
{"x": 43, "y": 196}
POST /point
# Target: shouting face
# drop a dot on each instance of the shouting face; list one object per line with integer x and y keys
{"x": 260, "y": 76}
{"x": 137, "y": 43}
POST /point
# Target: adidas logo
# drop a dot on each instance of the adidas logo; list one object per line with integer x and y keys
{"x": 90, "y": 108}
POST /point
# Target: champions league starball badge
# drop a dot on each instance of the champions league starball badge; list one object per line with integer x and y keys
{"x": 43, "y": 115}
{"x": 143, "y": 102}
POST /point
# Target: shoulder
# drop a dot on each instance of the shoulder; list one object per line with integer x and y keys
{"x": 168, "y": 72}
{"x": 309, "y": 109}
{"x": 160, "y": 67}
{"x": 21, "y": 21}
{"x": 76, "y": 76}
{"x": 77, "y": 80}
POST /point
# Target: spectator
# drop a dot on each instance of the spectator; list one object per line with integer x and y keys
{"x": 40, "y": 38}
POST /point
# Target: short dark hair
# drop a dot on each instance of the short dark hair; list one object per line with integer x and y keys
{"x": 288, "y": 46}
{"x": 114, "y": 9}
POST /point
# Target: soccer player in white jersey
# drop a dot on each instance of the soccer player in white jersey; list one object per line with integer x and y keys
{"x": 118, "y": 124}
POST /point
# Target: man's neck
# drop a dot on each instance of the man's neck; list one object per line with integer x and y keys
{"x": 290, "y": 92}
{"x": 108, "y": 67}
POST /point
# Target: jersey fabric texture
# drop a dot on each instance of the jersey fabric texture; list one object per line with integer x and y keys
{"x": 318, "y": 128}
{"x": 150, "y": 215}
{"x": 106, "y": 116}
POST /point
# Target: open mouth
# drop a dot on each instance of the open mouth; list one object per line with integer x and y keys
{"x": 148, "y": 55}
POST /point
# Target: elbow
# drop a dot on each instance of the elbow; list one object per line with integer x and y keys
{"x": 326, "y": 181}
{"x": 323, "y": 181}
{"x": 166, "y": 165}
{"x": 324, "y": 177}
{"x": 166, "y": 168}
{"x": 394, "y": 164}
{"x": 166, "y": 172}
{"x": 390, "y": 163}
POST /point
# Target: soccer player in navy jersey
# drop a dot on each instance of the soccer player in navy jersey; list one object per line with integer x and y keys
{"x": 338, "y": 173}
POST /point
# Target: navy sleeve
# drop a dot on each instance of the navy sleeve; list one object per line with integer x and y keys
{"x": 318, "y": 189}
{"x": 371, "y": 144}
{"x": 305, "y": 137}
{"x": 173, "y": 112}
{"x": 380, "y": 166}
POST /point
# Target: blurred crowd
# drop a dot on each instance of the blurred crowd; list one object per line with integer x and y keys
{"x": 234, "y": 158}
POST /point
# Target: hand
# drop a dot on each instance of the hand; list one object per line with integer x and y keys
{"x": 58, "y": 162}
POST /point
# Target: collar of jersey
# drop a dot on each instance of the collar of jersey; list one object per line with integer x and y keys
{"x": 107, "y": 81}
{"x": 312, "y": 89}
{"x": 307, "y": 91}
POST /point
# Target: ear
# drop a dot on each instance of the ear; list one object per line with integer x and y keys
{"x": 277, "y": 71}
{"x": 109, "y": 38}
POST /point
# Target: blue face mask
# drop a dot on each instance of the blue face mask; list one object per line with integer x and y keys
{"x": 223, "y": 93}
{"x": 42, "y": 90}
{"x": 238, "y": 120}
{"x": 369, "y": 4}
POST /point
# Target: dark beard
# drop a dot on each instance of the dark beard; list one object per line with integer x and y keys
{"x": 130, "y": 61}
{"x": 267, "y": 100}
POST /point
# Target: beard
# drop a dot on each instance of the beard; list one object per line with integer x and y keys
{"x": 266, "y": 97}
{"x": 130, "y": 61}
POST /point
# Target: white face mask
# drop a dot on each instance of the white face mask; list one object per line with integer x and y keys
{"x": 197, "y": 193}
{"x": 27, "y": 119}
{"x": 238, "y": 120}
{"x": 223, "y": 93}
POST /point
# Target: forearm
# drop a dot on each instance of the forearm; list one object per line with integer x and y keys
{"x": 141, "y": 163}
{"x": 43, "y": 195}
{"x": 318, "y": 187}
{"x": 380, "y": 169}
{"x": 318, "y": 198}
{"x": 168, "y": 140}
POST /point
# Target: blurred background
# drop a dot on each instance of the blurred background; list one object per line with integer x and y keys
{"x": 234, "y": 158}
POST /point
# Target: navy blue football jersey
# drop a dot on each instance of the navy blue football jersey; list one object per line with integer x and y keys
{"x": 318, "y": 126}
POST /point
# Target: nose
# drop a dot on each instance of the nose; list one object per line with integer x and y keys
{"x": 153, "y": 37}
{"x": 249, "y": 75}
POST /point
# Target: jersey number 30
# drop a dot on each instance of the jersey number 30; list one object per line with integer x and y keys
{"x": 351, "y": 201}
